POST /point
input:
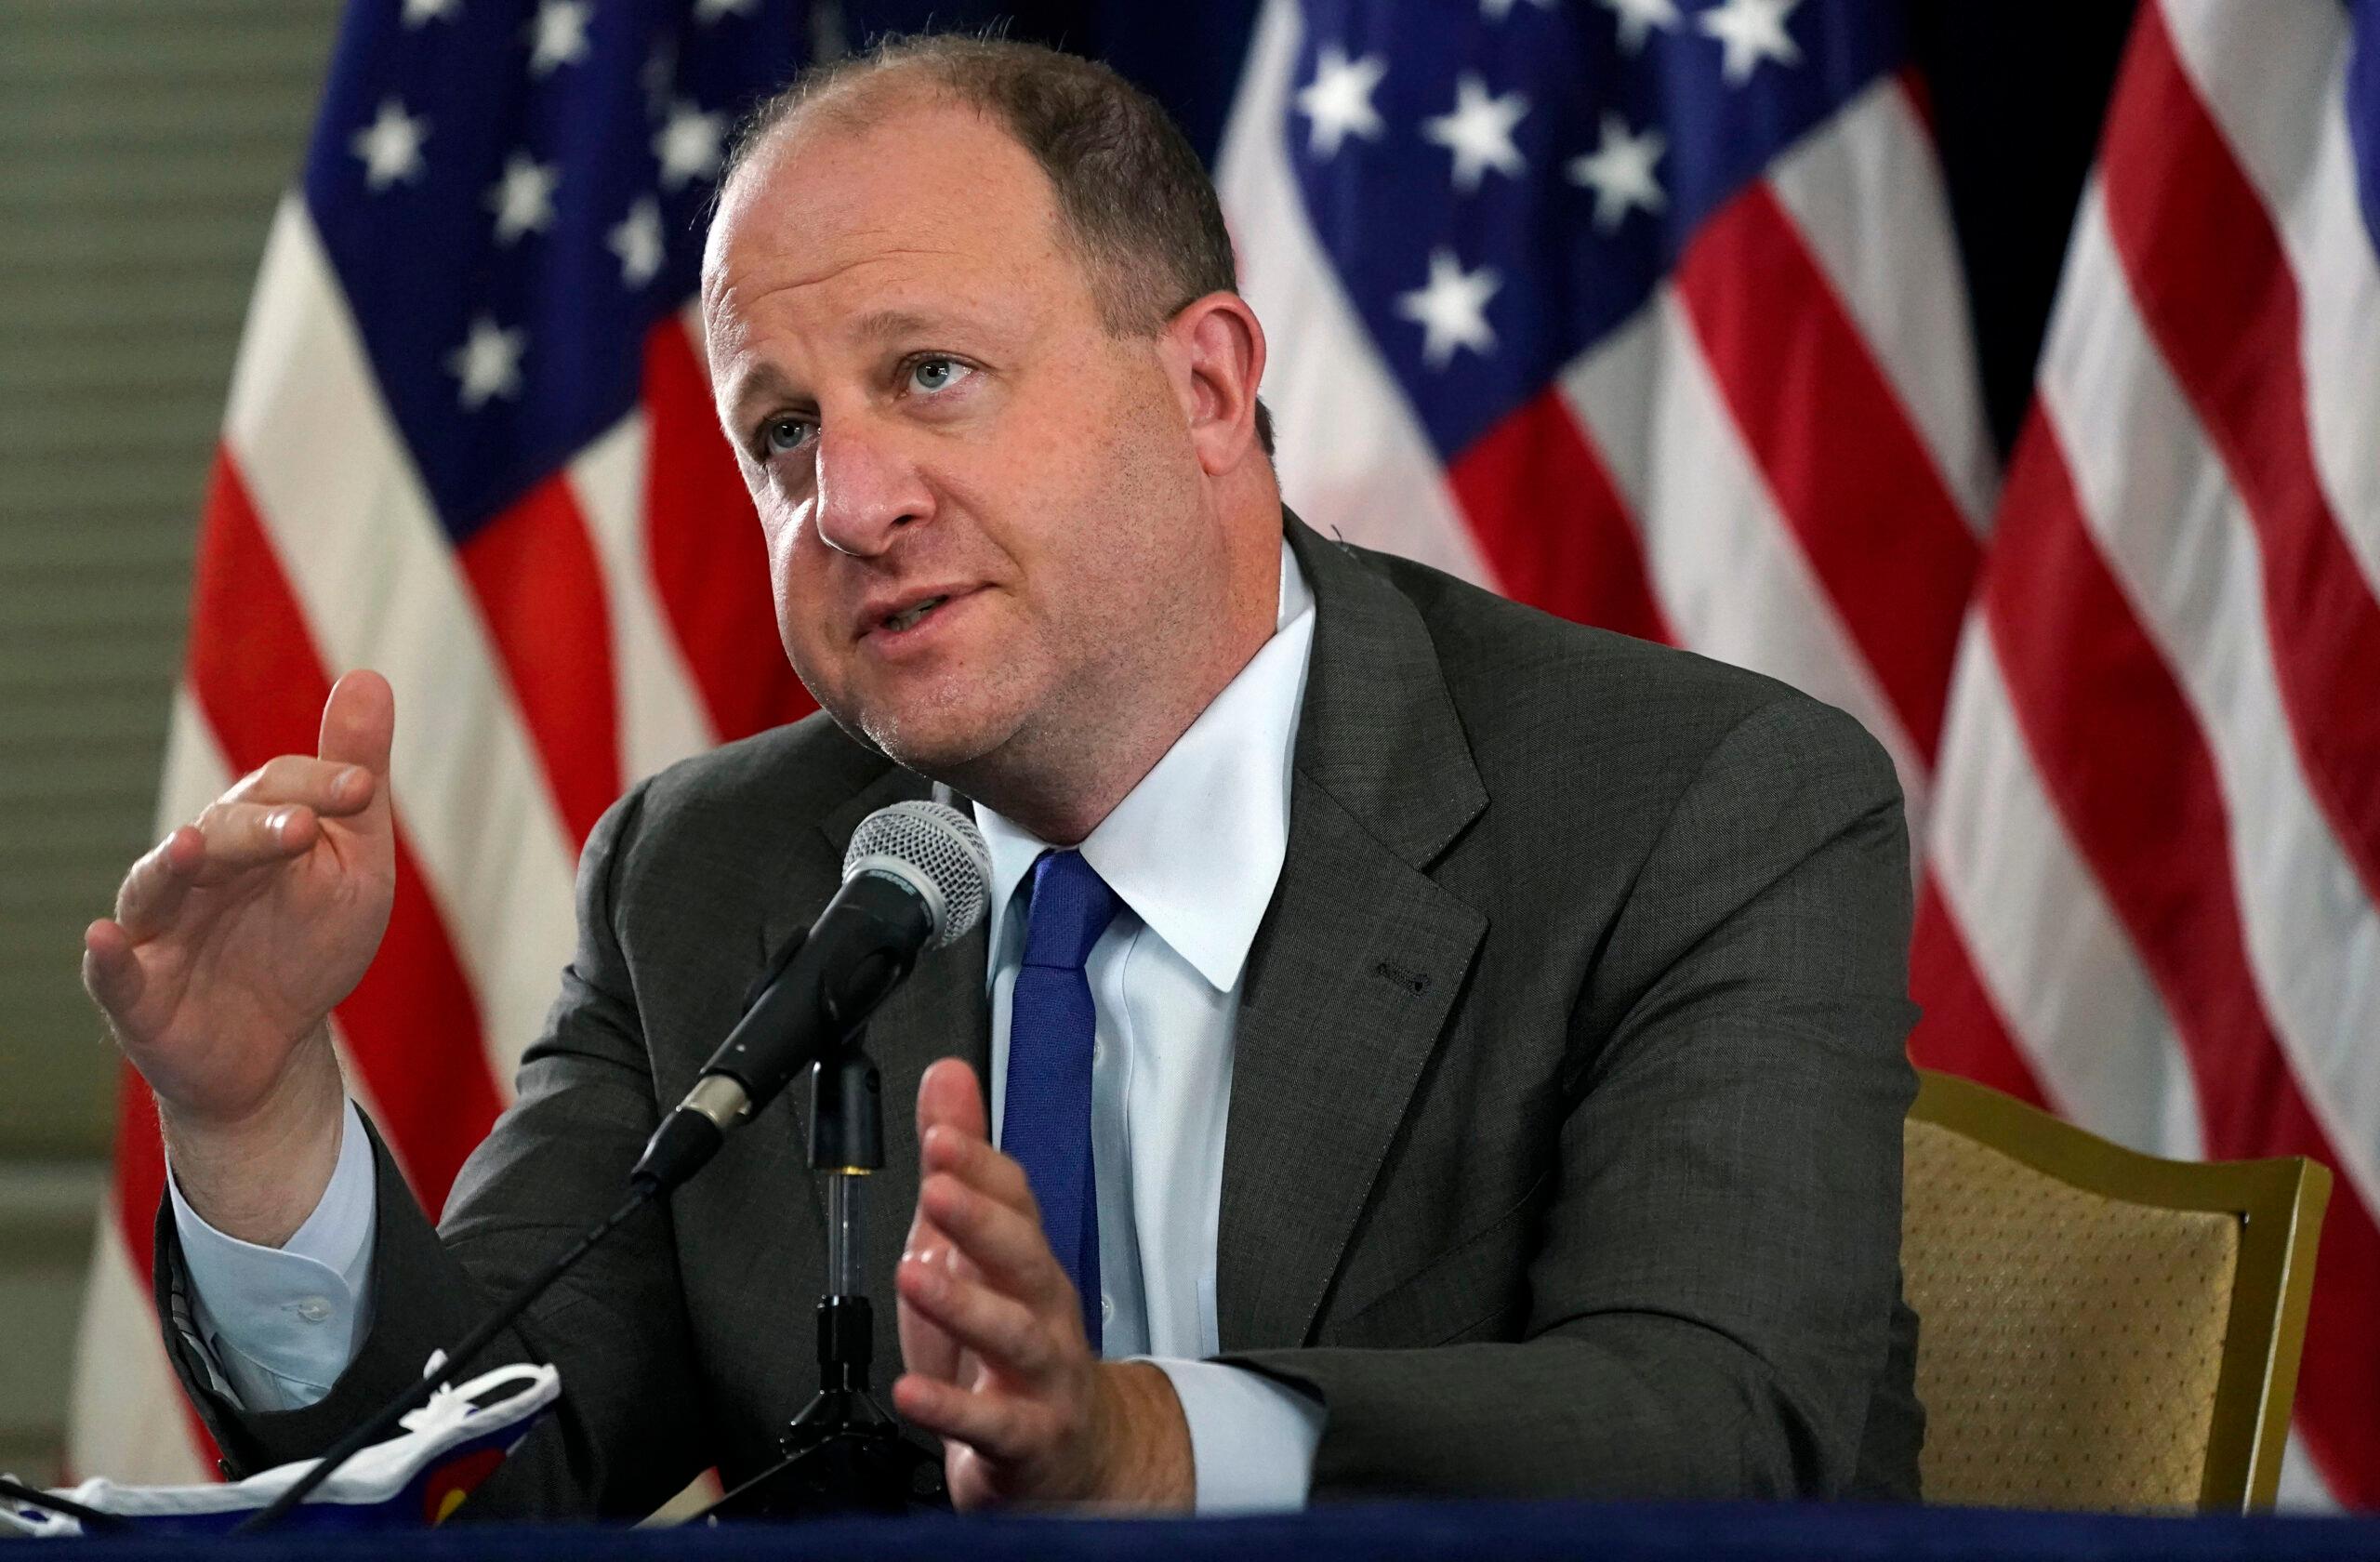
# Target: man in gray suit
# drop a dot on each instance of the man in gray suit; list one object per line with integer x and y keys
{"x": 1495, "y": 1078}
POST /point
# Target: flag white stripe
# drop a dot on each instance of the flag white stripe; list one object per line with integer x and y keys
{"x": 661, "y": 715}
{"x": 2244, "y": 61}
{"x": 1871, "y": 171}
{"x": 124, "y": 1421}
{"x": 2046, "y": 944}
{"x": 1353, "y": 458}
{"x": 2179, "y": 539}
{"x": 2301, "y": 1489}
{"x": 339, "y": 496}
{"x": 1731, "y": 579}
{"x": 195, "y": 771}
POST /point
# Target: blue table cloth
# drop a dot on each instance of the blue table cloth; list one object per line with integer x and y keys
{"x": 1508, "y": 1532}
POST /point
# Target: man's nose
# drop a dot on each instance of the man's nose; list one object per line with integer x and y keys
{"x": 868, "y": 488}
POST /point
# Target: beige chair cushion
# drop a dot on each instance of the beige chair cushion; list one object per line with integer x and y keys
{"x": 2069, "y": 1342}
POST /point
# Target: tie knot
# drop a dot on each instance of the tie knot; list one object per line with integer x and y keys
{"x": 1071, "y": 905}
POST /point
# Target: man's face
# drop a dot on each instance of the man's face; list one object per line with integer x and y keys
{"x": 983, "y": 510}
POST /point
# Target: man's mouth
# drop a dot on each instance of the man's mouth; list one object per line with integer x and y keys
{"x": 908, "y": 618}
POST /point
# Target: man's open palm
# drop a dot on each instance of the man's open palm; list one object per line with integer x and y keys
{"x": 235, "y": 937}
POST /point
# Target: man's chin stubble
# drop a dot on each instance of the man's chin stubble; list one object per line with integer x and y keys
{"x": 934, "y": 751}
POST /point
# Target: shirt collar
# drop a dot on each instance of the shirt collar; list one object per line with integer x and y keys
{"x": 1196, "y": 847}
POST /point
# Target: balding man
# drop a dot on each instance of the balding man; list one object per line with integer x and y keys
{"x": 1491, "y": 1080}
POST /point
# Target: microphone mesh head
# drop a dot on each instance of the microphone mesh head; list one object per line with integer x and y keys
{"x": 935, "y": 847}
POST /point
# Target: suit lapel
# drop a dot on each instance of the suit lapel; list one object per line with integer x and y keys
{"x": 1356, "y": 967}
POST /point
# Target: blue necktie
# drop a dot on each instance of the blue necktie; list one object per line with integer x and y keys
{"x": 1046, "y": 1118}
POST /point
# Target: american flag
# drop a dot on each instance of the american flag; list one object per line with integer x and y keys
{"x": 2156, "y": 847}
{"x": 470, "y": 444}
{"x": 1648, "y": 312}
{"x": 1644, "y": 313}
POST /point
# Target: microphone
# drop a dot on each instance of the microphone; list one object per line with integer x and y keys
{"x": 914, "y": 879}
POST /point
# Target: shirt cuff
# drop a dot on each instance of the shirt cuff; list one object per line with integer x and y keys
{"x": 283, "y": 1322}
{"x": 1251, "y": 1439}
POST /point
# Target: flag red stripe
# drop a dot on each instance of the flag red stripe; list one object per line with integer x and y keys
{"x": 541, "y": 591}
{"x": 1853, "y": 477}
{"x": 2215, "y": 291}
{"x": 710, "y": 567}
{"x": 1552, "y": 526}
{"x": 1960, "y": 1029}
{"x": 1920, "y": 93}
{"x": 412, "y": 1026}
{"x": 2121, "y": 754}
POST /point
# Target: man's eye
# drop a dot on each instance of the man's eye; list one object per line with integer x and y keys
{"x": 781, "y": 435}
{"x": 937, "y": 374}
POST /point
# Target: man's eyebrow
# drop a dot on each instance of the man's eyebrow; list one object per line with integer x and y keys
{"x": 762, "y": 382}
{"x": 882, "y": 322}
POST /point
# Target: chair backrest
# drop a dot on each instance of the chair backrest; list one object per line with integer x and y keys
{"x": 2098, "y": 1328}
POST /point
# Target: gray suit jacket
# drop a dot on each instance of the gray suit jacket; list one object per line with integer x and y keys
{"x": 1564, "y": 1147}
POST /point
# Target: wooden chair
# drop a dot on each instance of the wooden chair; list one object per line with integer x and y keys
{"x": 2099, "y": 1328}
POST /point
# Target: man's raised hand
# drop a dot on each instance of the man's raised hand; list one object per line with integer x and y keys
{"x": 231, "y": 943}
{"x": 991, "y": 1334}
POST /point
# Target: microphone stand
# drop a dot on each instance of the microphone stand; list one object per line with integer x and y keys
{"x": 843, "y": 1453}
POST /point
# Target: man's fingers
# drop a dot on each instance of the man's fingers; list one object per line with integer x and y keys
{"x": 1002, "y": 1330}
{"x": 1005, "y": 1243}
{"x": 949, "y": 1097}
{"x": 949, "y": 1104}
{"x": 359, "y": 721}
{"x": 924, "y": 1348}
{"x": 988, "y": 1424}
{"x": 239, "y": 836}
{"x": 325, "y": 785}
{"x": 229, "y": 838}
{"x": 973, "y": 1162}
{"x": 111, "y": 972}
{"x": 158, "y": 881}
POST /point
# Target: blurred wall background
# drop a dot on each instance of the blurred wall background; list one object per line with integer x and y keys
{"x": 143, "y": 146}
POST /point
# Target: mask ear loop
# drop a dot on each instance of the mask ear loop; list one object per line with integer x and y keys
{"x": 93, "y": 1520}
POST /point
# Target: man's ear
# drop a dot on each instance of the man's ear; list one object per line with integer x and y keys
{"x": 1215, "y": 351}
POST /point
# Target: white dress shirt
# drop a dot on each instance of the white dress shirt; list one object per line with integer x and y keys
{"x": 1194, "y": 852}
{"x": 283, "y": 1322}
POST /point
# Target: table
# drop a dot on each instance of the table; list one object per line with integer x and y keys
{"x": 1390, "y": 1533}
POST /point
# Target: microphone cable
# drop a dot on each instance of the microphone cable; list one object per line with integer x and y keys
{"x": 385, "y": 1420}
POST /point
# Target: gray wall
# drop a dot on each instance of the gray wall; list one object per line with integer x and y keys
{"x": 143, "y": 146}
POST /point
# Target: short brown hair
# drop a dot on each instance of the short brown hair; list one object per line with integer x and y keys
{"x": 1133, "y": 198}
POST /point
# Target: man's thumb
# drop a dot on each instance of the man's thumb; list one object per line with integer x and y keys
{"x": 358, "y": 721}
